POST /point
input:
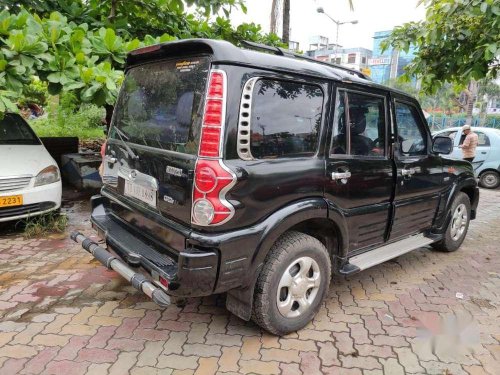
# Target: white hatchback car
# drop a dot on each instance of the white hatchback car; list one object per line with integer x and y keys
{"x": 30, "y": 182}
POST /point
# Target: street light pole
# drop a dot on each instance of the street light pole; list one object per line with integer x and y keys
{"x": 337, "y": 23}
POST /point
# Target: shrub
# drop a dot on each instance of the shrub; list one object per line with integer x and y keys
{"x": 84, "y": 122}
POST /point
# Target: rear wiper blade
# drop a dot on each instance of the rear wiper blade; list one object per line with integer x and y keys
{"x": 127, "y": 147}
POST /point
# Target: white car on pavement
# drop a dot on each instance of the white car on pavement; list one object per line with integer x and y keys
{"x": 30, "y": 182}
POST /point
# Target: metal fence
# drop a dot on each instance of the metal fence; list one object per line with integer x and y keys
{"x": 438, "y": 122}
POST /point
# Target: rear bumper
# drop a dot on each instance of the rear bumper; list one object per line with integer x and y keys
{"x": 191, "y": 272}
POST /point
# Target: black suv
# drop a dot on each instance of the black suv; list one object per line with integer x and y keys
{"x": 260, "y": 174}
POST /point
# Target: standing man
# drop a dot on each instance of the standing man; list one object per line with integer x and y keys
{"x": 470, "y": 144}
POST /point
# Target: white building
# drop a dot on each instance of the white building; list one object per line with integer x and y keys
{"x": 354, "y": 58}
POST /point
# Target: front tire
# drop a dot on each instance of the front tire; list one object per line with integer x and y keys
{"x": 458, "y": 226}
{"x": 292, "y": 284}
{"x": 489, "y": 180}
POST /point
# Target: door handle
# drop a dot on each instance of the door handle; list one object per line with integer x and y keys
{"x": 341, "y": 175}
{"x": 407, "y": 172}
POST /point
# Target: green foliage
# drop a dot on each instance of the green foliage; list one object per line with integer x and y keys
{"x": 458, "y": 41}
{"x": 36, "y": 92}
{"x": 71, "y": 119}
{"x": 43, "y": 225}
{"x": 128, "y": 18}
{"x": 89, "y": 61}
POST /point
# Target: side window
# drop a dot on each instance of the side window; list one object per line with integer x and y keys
{"x": 483, "y": 139}
{"x": 285, "y": 120}
{"x": 365, "y": 135}
{"x": 411, "y": 133}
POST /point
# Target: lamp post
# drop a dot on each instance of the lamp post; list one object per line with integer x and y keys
{"x": 338, "y": 23}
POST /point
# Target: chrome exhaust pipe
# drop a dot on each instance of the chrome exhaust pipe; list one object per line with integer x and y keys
{"x": 138, "y": 280}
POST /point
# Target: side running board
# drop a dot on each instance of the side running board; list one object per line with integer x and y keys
{"x": 385, "y": 253}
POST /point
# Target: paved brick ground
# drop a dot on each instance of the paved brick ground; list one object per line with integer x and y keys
{"x": 62, "y": 313}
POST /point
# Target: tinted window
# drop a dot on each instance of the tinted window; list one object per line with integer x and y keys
{"x": 411, "y": 134}
{"x": 365, "y": 115}
{"x": 15, "y": 131}
{"x": 351, "y": 58}
{"x": 159, "y": 103}
{"x": 286, "y": 118}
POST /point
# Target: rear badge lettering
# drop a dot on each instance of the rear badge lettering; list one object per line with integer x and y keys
{"x": 168, "y": 199}
{"x": 186, "y": 66}
{"x": 174, "y": 171}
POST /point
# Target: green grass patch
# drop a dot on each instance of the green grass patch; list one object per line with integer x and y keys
{"x": 84, "y": 123}
{"x": 52, "y": 222}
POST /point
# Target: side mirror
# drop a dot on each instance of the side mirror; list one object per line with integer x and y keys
{"x": 442, "y": 145}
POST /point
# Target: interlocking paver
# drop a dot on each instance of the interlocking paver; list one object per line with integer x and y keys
{"x": 63, "y": 313}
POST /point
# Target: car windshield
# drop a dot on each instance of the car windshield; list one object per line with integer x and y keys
{"x": 160, "y": 104}
{"x": 15, "y": 131}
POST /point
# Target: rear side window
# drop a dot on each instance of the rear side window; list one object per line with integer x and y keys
{"x": 359, "y": 129}
{"x": 160, "y": 104}
{"x": 482, "y": 139}
{"x": 285, "y": 120}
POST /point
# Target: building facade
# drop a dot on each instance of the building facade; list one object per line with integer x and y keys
{"x": 390, "y": 64}
{"x": 354, "y": 58}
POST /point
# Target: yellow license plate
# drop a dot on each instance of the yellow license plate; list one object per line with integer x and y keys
{"x": 11, "y": 200}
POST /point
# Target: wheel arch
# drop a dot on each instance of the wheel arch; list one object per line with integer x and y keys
{"x": 298, "y": 216}
{"x": 467, "y": 185}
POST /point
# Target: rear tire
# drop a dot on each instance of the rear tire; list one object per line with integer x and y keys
{"x": 489, "y": 180}
{"x": 292, "y": 284}
{"x": 458, "y": 225}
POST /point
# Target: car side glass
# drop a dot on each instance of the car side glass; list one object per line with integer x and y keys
{"x": 339, "y": 140}
{"x": 483, "y": 139}
{"x": 366, "y": 124}
{"x": 411, "y": 135}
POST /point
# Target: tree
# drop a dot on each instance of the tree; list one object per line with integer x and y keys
{"x": 458, "y": 42}
{"x": 129, "y": 18}
{"x": 285, "y": 14}
{"x": 286, "y": 22}
{"x": 84, "y": 60}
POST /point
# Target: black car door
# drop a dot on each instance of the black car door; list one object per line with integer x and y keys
{"x": 419, "y": 172}
{"x": 359, "y": 181}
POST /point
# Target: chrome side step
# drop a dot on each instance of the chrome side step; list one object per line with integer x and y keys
{"x": 393, "y": 250}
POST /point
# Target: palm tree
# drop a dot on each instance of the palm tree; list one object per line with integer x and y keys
{"x": 284, "y": 6}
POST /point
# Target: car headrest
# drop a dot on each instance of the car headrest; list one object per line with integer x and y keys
{"x": 357, "y": 121}
{"x": 184, "y": 108}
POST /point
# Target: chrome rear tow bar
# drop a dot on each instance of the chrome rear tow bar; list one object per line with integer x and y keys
{"x": 138, "y": 280}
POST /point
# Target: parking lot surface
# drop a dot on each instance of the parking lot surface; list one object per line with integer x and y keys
{"x": 423, "y": 313}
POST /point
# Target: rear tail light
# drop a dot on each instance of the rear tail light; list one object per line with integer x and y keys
{"x": 212, "y": 179}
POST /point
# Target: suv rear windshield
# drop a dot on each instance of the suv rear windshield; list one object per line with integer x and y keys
{"x": 15, "y": 131}
{"x": 160, "y": 104}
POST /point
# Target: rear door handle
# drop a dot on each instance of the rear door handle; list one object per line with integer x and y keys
{"x": 341, "y": 175}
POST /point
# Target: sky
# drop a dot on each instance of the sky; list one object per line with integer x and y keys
{"x": 372, "y": 15}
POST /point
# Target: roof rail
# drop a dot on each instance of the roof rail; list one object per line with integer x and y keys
{"x": 287, "y": 53}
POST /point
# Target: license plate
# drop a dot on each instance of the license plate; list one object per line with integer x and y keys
{"x": 142, "y": 193}
{"x": 11, "y": 200}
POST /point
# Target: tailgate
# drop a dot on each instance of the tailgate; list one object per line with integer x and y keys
{"x": 153, "y": 143}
